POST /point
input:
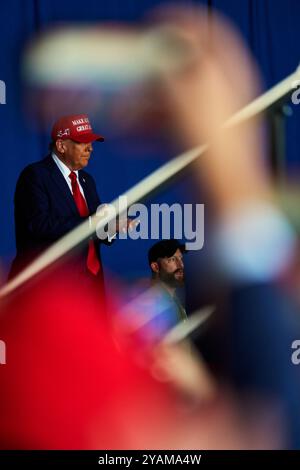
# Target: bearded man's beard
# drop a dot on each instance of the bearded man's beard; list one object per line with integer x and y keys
{"x": 170, "y": 279}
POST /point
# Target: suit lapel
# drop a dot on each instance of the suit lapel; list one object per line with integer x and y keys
{"x": 60, "y": 183}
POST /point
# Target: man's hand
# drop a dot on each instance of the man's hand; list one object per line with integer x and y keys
{"x": 124, "y": 224}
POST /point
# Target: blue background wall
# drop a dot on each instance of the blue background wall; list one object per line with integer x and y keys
{"x": 270, "y": 28}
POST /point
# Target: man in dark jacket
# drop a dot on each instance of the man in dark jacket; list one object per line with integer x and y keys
{"x": 55, "y": 195}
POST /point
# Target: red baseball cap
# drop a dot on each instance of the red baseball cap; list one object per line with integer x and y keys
{"x": 76, "y": 127}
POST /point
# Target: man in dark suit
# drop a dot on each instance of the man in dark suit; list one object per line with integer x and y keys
{"x": 55, "y": 195}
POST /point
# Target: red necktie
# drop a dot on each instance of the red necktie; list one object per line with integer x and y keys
{"x": 92, "y": 262}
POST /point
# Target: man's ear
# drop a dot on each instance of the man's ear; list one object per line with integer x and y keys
{"x": 154, "y": 266}
{"x": 59, "y": 144}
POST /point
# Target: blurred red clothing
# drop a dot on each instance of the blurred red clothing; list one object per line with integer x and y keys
{"x": 66, "y": 385}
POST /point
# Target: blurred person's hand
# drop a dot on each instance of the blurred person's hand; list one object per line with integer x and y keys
{"x": 179, "y": 365}
{"x": 220, "y": 81}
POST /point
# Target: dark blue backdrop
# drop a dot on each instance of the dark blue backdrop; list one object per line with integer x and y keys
{"x": 271, "y": 29}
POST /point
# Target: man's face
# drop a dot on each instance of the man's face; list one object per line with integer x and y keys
{"x": 171, "y": 270}
{"x": 74, "y": 154}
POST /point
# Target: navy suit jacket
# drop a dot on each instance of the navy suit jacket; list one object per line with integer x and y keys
{"x": 45, "y": 211}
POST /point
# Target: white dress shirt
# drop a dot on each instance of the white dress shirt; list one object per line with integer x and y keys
{"x": 66, "y": 172}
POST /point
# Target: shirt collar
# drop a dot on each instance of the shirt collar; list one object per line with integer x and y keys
{"x": 63, "y": 168}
